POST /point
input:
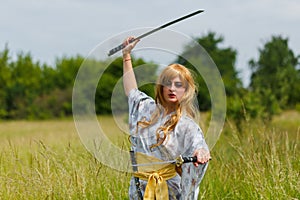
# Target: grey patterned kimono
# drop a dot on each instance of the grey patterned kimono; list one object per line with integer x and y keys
{"x": 184, "y": 140}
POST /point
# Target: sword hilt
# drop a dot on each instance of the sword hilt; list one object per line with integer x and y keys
{"x": 118, "y": 48}
{"x": 180, "y": 160}
{"x": 189, "y": 159}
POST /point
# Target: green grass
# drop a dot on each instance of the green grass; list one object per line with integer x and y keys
{"x": 46, "y": 160}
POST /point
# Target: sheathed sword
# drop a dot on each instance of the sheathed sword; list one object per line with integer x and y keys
{"x": 136, "y": 179}
{"x": 121, "y": 46}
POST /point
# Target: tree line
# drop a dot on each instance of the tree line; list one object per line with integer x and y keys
{"x": 32, "y": 90}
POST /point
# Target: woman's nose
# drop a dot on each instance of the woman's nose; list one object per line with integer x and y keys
{"x": 172, "y": 87}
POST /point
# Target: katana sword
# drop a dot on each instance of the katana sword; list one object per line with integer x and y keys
{"x": 178, "y": 161}
{"x": 121, "y": 46}
{"x": 136, "y": 179}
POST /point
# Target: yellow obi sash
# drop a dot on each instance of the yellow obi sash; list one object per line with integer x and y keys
{"x": 156, "y": 175}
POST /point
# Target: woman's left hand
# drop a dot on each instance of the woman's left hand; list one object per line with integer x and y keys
{"x": 203, "y": 156}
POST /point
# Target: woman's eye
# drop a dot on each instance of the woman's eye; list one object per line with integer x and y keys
{"x": 178, "y": 84}
{"x": 167, "y": 83}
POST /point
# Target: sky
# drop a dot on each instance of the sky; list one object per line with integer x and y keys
{"x": 50, "y": 29}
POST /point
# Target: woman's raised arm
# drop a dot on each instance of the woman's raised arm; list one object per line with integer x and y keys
{"x": 129, "y": 80}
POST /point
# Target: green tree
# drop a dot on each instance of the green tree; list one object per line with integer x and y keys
{"x": 55, "y": 99}
{"x": 110, "y": 92}
{"x": 5, "y": 81}
{"x": 223, "y": 57}
{"x": 66, "y": 70}
{"x": 25, "y": 85}
{"x": 275, "y": 77}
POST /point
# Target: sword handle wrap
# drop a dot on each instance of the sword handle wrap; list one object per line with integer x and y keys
{"x": 189, "y": 159}
{"x": 180, "y": 160}
{"x": 118, "y": 48}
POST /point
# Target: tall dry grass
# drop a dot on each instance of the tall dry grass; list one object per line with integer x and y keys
{"x": 46, "y": 160}
{"x": 261, "y": 162}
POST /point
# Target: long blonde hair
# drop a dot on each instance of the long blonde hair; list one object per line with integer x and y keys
{"x": 187, "y": 104}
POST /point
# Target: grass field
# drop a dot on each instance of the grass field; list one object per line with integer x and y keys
{"x": 46, "y": 160}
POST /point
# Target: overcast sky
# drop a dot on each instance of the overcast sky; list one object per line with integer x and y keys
{"x": 54, "y": 28}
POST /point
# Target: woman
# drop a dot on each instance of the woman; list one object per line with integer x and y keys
{"x": 162, "y": 129}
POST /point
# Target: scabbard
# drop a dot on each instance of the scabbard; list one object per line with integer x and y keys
{"x": 136, "y": 179}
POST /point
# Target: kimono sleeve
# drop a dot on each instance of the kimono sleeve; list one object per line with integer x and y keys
{"x": 140, "y": 105}
{"x": 191, "y": 175}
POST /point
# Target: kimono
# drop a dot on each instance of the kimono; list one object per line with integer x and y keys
{"x": 183, "y": 140}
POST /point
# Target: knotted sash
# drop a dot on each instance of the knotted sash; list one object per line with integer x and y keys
{"x": 156, "y": 175}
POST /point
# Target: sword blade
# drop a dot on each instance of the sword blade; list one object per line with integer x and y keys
{"x": 121, "y": 46}
{"x": 169, "y": 23}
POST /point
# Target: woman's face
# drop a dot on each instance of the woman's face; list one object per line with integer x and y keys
{"x": 173, "y": 90}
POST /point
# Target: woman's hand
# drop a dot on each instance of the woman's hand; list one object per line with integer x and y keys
{"x": 203, "y": 156}
{"x": 129, "y": 45}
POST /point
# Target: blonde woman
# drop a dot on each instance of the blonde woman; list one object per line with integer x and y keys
{"x": 163, "y": 128}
